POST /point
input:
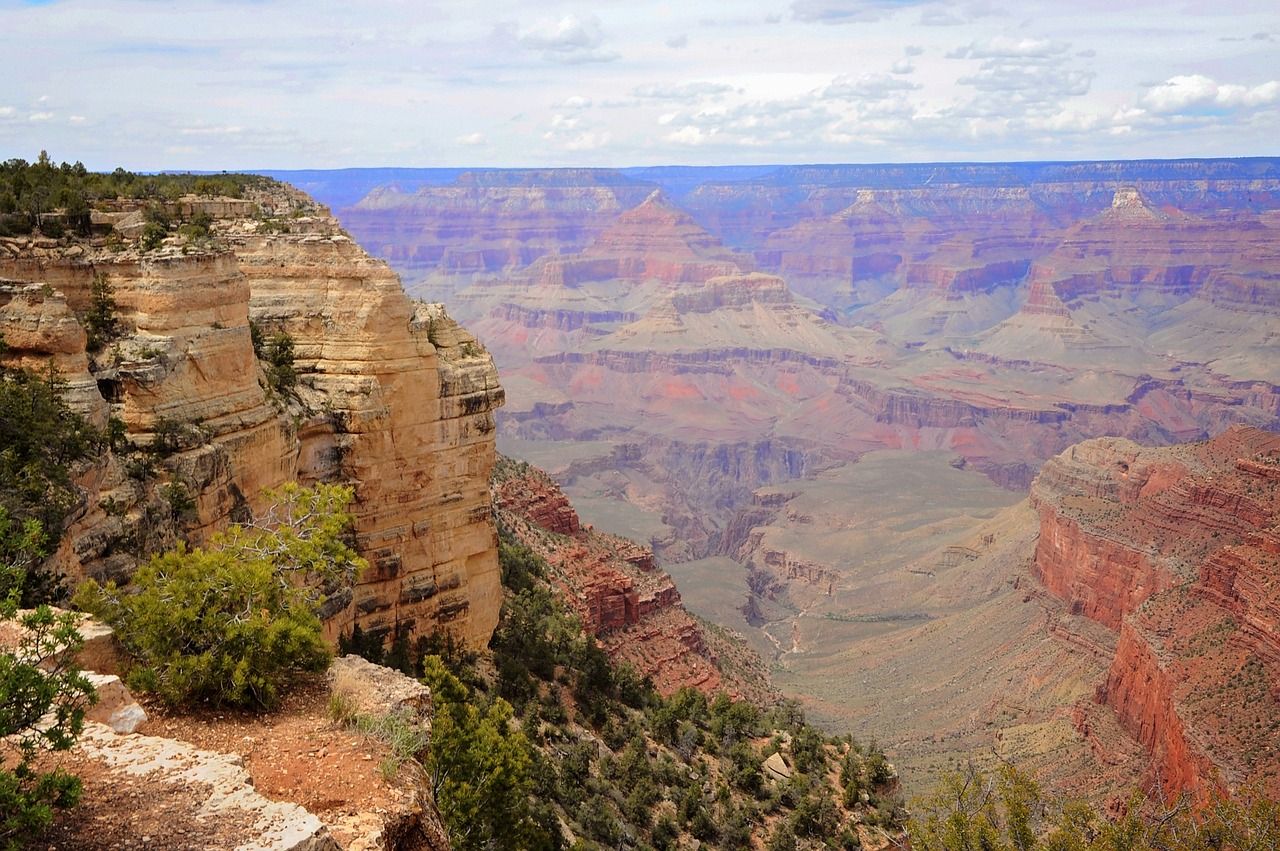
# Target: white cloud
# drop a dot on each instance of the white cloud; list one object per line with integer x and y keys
{"x": 1019, "y": 82}
{"x": 7, "y": 112}
{"x": 867, "y": 87}
{"x": 902, "y": 66}
{"x": 940, "y": 18}
{"x": 472, "y": 140}
{"x": 689, "y": 135}
{"x": 1196, "y": 92}
{"x": 587, "y": 142}
{"x": 570, "y": 39}
{"x": 677, "y": 42}
{"x": 1005, "y": 47}
{"x": 575, "y": 102}
{"x": 40, "y": 116}
{"x": 686, "y": 92}
{"x": 206, "y": 130}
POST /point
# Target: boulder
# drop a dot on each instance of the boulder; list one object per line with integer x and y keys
{"x": 115, "y": 707}
{"x": 776, "y": 768}
{"x": 370, "y": 689}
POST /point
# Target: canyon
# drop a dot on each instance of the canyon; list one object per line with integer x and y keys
{"x": 817, "y": 397}
{"x": 787, "y": 319}
{"x": 821, "y": 393}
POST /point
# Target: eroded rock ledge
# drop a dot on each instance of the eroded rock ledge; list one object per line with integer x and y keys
{"x": 391, "y": 397}
{"x": 1177, "y": 549}
{"x": 623, "y": 598}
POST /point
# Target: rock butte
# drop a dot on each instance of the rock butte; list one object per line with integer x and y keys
{"x": 392, "y": 398}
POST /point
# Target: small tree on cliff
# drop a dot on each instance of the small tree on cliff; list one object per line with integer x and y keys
{"x": 42, "y": 700}
{"x": 41, "y": 439}
{"x": 231, "y": 623}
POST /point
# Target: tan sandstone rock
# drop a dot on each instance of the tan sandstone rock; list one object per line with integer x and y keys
{"x": 392, "y": 398}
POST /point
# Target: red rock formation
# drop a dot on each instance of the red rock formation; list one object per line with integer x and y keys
{"x": 1144, "y": 696}
{"x": 1178, "y": 549}
{"x": 654, "y": 241}
{"x": 614, "y": 586}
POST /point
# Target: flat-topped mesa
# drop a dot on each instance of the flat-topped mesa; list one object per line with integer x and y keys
{"x": 732, "y": 291}
{"x": 1129, "y": 203}
{"x": 390, "y": 397}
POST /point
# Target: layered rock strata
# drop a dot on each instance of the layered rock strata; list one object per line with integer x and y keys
{"x": 1176, "y": 549}
{"x": 390, "y": 397}
{"x": 623, "y": 598}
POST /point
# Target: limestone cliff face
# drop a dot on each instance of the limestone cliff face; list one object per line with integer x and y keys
{"x": 391, "y": 397}
{"x": 1177, "y": 549}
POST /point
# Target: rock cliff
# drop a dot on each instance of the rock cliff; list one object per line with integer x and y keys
{"x": 623, "y": 598}
{"x": 391, "y": 397}
{"x": 1176, "y": 549}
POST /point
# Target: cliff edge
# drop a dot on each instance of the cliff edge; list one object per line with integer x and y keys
{"x": 251, "y": 343}
{"x": 1175, "y": 550}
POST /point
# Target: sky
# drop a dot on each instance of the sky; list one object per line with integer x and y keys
{"x": 287, "y": 84}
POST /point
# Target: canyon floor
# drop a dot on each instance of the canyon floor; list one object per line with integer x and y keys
{"x": 903, "y": 611}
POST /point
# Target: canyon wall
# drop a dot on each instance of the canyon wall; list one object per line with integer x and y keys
{"x": 1002, "y": 311}
{"x": 390, "y": 396}
{"x": 621, "y": 595}
{"x": 1176, "y": 550}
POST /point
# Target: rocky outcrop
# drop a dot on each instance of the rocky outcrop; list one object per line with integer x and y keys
{"x": 611, "y": 582}
{"x": 617, "y": 589}
{"x": 403, "y": 402}
{"x": 391, "y": 397}
{"x": 1177, "y": 550}
{"x": 264, "y": 825}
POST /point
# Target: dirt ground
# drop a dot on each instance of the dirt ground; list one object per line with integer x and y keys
{"x": 295, "y": 754}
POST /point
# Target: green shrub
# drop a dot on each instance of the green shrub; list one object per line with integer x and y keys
{"x": 153, "y": 235}
{"x": 480, "y": 768}
{"x": 199, "y": 228}
{"x": 232, "y": 623}
{"x": 100, "y": 322}
{"x": 34, "y": 680}
{"x": 276, "y": 353}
